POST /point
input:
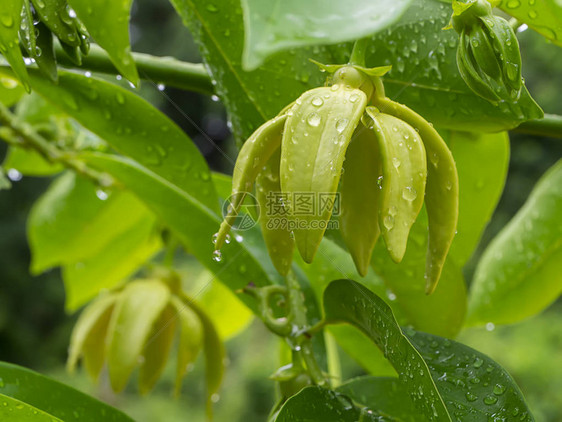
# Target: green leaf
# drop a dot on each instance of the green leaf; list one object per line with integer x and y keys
{"x": 110, "y": 266}
{"x": 322, "y": 405}
{"x": 474, "y": 387}
{"x": 179, "y": 210}
{"x": 425, "y": 77}
{"x": 273, "y": 27}
{"x": 30, "y": 163}
{"x": 107, "y": 22}
{"x": 54, "y": 398}
{"x": 89, "y": 334}
{"x": 482, "y": 163}
{"x": 157, "y": 349}
{"x": 544, "y": 16}
{"x": 69, "y": 223}
{"x": 388, "y": 395}
{"x": 10, "y": 18}
{"x": 346, "y": 301}
{"x": 519, "y": 273}
{"x": 17, "y": 411}
{"x": 139, "y": 306}
{"x": 133, "y": 127}
{"x": 10, "y": 91}
{"x": 251, "y": 98}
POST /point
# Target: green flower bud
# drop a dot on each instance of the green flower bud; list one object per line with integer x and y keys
{"x": 488, "y": 55}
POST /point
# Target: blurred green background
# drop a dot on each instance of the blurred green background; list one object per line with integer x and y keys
{"x": 34, "y": 329}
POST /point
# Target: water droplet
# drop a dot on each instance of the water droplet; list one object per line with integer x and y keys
{"x": 513, "y": 4}
{"x": 314, "y": 119}
{"x": 120, "y": 98}
{"x": 214, "y": 238}
{"x": 212, "y": 8}
{"x": 14, "y": 175}
{"x": 217, "y": 256}
{"x": 471, "y": 397}
{"x": 353, "y": 98}
{"x": 317, "y": 101}
{"x": 388, "y": 222}
{"x": 7, "y": 20}
{"x": 499, "y": 389}
{"x": 396, "y": 162}
{"x": 341, "y": 124}
{"x": 489, "y": 400}
{"x": 409, "y": 193}
{"x": 227, "y": 239}
{"x": 102, "y": 195}
{"x": 490, "y": 326}
{"x": 161, "y": 87}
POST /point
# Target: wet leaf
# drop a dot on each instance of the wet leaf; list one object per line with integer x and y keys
{"x": 295, "y": 24}
{"x": 54, "y": 398}
{"x": 518, "y": 275}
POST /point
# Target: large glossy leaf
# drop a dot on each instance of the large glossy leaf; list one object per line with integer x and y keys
{"x": 119, "y": 259}
{"x": 107, "y": 22}
{"x": 193, "y": 224}
{"x": 473, "y": 386}
{"x": 425, "y": 77}
{"x": 386, "y": 394}
{"x": 544, "y": 16}
{"x": 346, "y": 301}
{"x": 319, "y": 404}
{"x": 54, "y": 398}
{"x": 132, "y": 126}
{"x": 17, "y": 411}
{"x": 445, "y": 379}
{"x": 519, "y": 273}
{"x": 250, "y": 97}
{"x": 70, "y": 223}
{"x": 482, "y": 163}
{"x": 291, "y": 23}
{"x": 10, "y": 18}
{"x": 138, "y": 308}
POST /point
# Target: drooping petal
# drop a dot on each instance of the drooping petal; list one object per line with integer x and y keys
{"x": 273, "y": 215}
{"x": 360, "y": 197}
{"x": 315, "y": 140}
{"x": 254, "y": 154}
{"x": 404, "y": 169}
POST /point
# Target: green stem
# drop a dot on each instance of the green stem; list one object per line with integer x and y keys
{"x": 359, "y": 51}
{"x": 47, "y": 150}
{"x": 166, "y": 70}
{"x": 549, "y": 126}
{"x": 300, "y": 321}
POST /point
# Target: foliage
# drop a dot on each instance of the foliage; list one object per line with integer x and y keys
{"x": 413, "y": 114}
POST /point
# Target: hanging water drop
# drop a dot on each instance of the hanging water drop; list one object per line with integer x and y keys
{"x": 217, "y": 256}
